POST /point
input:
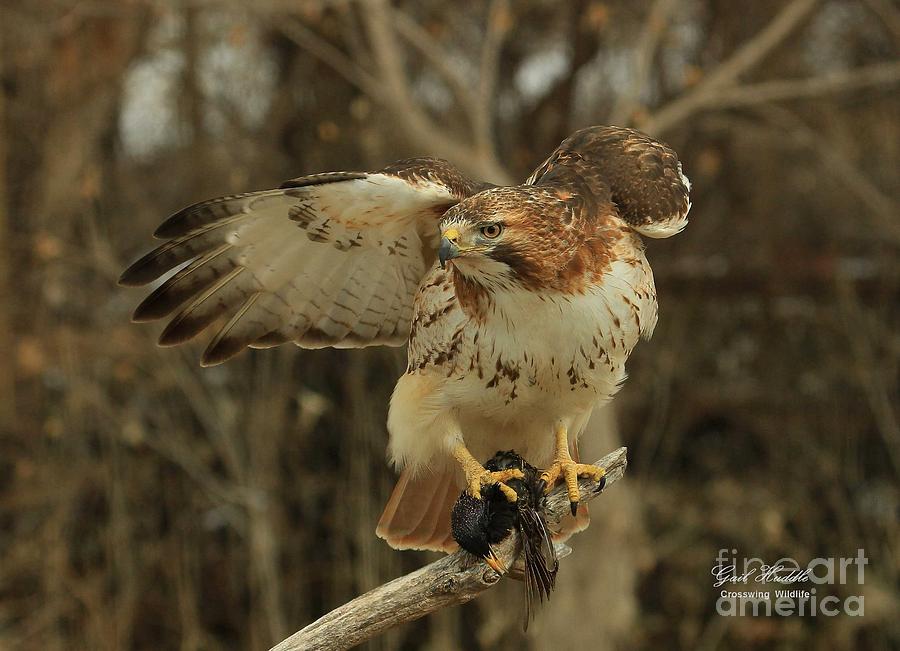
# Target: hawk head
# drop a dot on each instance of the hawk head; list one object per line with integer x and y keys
{"x": 524, "y": 236}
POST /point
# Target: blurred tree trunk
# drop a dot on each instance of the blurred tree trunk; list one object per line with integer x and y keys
{"x": 7, "y": 301}
{"x": 66, "y": 87}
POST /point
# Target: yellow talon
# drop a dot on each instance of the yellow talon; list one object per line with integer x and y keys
{"x": 477, "y": 477}
{"x": 564, "y": 466}
{"x": 484, "y": 478}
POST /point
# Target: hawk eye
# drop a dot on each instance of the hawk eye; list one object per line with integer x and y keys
{"x": 492, "y": 231}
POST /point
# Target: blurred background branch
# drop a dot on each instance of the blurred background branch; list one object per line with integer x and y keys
{"x": 727, "y": 73}
{"x": 7, "y": 375}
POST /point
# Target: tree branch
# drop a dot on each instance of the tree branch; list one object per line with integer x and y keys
{"x": 498, "y": 24}
{"x": 439, "y": 59}
{"x": 889, "y": 15}
{"x": 727, "y": 73}
{"x": 882, "y": 207}
{"x": 644, "y": 53}
{"x": 878, "y": 74}
{"x": 451, "y": 580}
{"x": 418, "y": 124}
{"x": 295, "y": 31}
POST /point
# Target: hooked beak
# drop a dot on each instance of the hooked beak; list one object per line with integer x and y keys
{"x": 449, "y": 248}
{"x": 494, "y": 561}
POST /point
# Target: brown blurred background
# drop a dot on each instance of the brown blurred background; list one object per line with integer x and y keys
{"x": 146, "y": 503}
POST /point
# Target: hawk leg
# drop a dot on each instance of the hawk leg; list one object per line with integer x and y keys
{"x": 477, "y": 476}
{"x": 566, "y": 468}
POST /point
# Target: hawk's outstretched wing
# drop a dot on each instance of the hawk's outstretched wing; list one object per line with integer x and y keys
{"x": 326, "y": 260}
{"x": 640, "y": 176}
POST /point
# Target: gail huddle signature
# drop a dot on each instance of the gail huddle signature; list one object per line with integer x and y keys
{"x": 833, "y": 570}
{"x": 763, "y": 574}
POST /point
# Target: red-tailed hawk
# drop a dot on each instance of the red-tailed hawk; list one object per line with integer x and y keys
{"x": 515, "y": 334}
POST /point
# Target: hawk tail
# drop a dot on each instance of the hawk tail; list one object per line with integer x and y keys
{"x": 417, "y": 516}
{"x": 569, "y": 525}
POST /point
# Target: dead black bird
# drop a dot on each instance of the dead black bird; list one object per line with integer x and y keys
{"x": 479, "y": 524}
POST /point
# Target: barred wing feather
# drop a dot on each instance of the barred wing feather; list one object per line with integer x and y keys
{"x": 326, "y": 260}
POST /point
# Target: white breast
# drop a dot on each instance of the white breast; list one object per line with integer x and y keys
{"x": 536, "y": 358}
{"x": 549, "y": 351}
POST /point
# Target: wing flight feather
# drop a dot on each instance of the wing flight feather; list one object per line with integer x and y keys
{"x": 330, "y": 259}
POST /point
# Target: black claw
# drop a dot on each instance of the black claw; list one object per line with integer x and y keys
{"x": 541, "y": 487}
{"x": 601, "y": 484}
{"x": 574, "y": 507}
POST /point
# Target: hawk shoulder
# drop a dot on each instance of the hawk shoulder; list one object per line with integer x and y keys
{"x": 638, "y": 177}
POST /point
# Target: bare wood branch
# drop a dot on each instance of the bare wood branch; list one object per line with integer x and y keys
{"x": 761, "y": 45}
{"x": 879, "y": 74}
{"x": 869, "y": 368}
{"x": 881, "y": 206}
{"x": 889, "y": 15}
{"x": 557, "y": 102}
{"x": 452, "y": 580}
{"x": 728, "y": 72}
{"x": 305, "y": 38}
{"x": 419, "y": 39}
{"x": 647, "y": 45}
{"x": 418, "y": 123}
{"x": 392, "y": 88}
{"x": 498, "y": 23}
